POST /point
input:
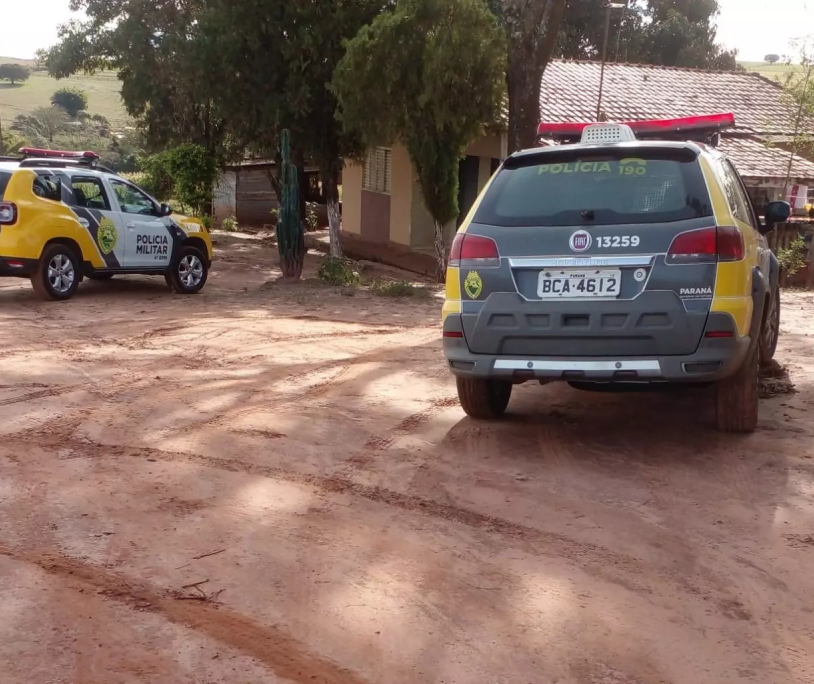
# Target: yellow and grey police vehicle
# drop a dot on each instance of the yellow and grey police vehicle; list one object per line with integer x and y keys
{"x": 609, "y": 261}
{"x": 64, "y": 218}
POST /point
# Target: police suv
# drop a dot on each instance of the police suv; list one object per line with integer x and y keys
{"x": 63, "y": 218}
{"x": 615, "y": 261}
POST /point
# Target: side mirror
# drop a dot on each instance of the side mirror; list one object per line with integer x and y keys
{"x": 165, "y": 210}
{"x": 775, "y": 212}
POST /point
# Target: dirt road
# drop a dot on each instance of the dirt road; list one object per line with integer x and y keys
{"x": 268, "y": 485}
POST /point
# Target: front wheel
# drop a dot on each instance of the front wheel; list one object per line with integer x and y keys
{"x": 770, "y": 334}
{"x": 737, "y": 397}
{"x": 189, "y": 271}
{"x": 484, "y": 399}
{"x": 57, "y": 275}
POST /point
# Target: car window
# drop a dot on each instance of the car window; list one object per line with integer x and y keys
{"x": 744, "y": 203}
{"x": 89, "y": 193}
{"x": 738, "y": 200}
{"x": 132, "y": 200}
{"x": 45, "y": 186}
{"x": 4, "y": 179}
{"x": 618, "y": 187}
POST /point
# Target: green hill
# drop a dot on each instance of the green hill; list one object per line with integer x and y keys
{"x": 23, "y": 98}
{"x": 776, "y": 72}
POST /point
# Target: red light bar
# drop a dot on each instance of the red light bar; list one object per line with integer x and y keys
{"x": 710, "y": 122}
{"x": 57, "y": 154}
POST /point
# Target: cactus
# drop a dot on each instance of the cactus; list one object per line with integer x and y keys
{"x": 290, "y": 235}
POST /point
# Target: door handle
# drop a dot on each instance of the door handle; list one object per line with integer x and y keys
{"x": 131, "y": 226}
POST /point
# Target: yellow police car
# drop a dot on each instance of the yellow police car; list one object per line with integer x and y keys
{"x": 64, "y": 218}
{"x": 612, "y": 262}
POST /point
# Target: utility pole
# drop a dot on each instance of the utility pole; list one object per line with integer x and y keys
{"x": 608, "y": 7}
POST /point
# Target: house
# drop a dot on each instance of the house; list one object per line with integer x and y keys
{"x": 382, "y": 201}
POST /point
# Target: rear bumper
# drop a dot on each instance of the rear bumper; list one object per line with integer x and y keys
{"x": 12, "y": 267}
{"x": 715, "y": 359}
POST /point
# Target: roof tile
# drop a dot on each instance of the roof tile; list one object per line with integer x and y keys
{"x": 570, "y": 90}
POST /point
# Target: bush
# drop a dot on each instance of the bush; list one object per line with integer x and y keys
{"x": 208, "y": 222}
{"x": 186, "y": 173}
{"x": 72, "y": 100}
{"x": 340, "y": 272}
{"x": 229, "y": 224}
{"x": 793, "y": 258}
{"x": 311, "y": 217}
{"x": 397, "y": 288}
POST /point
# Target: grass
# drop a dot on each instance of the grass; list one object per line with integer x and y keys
{"x": 23, "y": 98}
{"x": 775, "y": 72}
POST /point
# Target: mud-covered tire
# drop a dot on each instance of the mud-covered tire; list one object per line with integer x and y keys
{"x": 57, "y": 260}
{"x": 737, "y": 398}
{"x": 190, "y": 260}
{"x": 770, "y": 333}
{"x": 484, "y": 399}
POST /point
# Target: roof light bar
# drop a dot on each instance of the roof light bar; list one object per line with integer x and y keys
{"x": 651, "y": 128}
{"x": 58, "y": 154}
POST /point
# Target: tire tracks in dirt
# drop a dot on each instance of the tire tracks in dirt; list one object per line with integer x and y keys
{"x": 598, "y": 561}
{"x": 277, "y": 650}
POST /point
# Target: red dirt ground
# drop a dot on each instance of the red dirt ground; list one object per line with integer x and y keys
{"x": 300, "y": 457}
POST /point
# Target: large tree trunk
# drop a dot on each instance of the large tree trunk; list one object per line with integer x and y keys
{"x": 330, "y": 186}
{"x": 440, "y": 252}
{"x": 531, "y": 28}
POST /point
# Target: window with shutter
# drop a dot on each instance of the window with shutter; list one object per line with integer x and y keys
{"x": 378, "y": 168}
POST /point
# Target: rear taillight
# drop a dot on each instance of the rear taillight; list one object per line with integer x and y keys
{"x": 467, "y": 247}
{"x": 707, "y": 246}
{"x": 730, "y": 244}
{"x": 8, "y": 213}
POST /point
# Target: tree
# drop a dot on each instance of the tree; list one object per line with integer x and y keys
{"x": 274, "y": 60}
{"x": 43, "y": 125}
{"x": 40, "y": 59}
{"x": 531, "y": 30}
{"x": 14, "y": 73}
{"x": 772, "y": 59}
{"x": 72, "y": 100}
{"x": 430, "y": 73}
{"x": 186, "y": 173}
{"x": 154, "y": 47}
{"x": 678, "y": 33}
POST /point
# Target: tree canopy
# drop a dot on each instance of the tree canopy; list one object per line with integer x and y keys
{"x": 532, "y": 28}
{"x": 273, "y": 61}
{"x": 428, "y": 74}
{"x": 665, "y": 32}
{"x": 16, "y": 73}
{"x": 72, "y": 100}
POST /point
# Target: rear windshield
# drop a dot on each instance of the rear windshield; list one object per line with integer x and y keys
{"x": 5, "y": 177}
{"x": 572, "y": 189}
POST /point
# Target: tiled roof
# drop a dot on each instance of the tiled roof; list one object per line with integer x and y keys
{"x": 570, "y": 90}
{"x": 754, "y": 159}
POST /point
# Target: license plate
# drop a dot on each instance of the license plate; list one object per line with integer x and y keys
{"x": 556, "y": 284}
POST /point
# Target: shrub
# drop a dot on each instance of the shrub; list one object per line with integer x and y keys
{"x": 340, "y": 272}
{"x": 187, "y": 173}
{"x": 208, "y": 221}
{"x": 229, "y": 223}
{"x": 397, "y": 288}
{"x": 793, "y": 258}
{"x": 311, "y": 217}
{"x": 72, "y": 100}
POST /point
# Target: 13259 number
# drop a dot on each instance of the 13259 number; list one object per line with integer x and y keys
{"x": 619, "y": 241}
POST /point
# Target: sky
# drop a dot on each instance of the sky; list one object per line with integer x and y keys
{"x": 755, "y": 27}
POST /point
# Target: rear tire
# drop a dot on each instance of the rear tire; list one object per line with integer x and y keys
{"x": 189, "y": 271}
{"x": 57, "y": 275}
{"x": 737, "y": 397}
{"x": 484, "y": 399}
{"x": 770, "y": 334}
